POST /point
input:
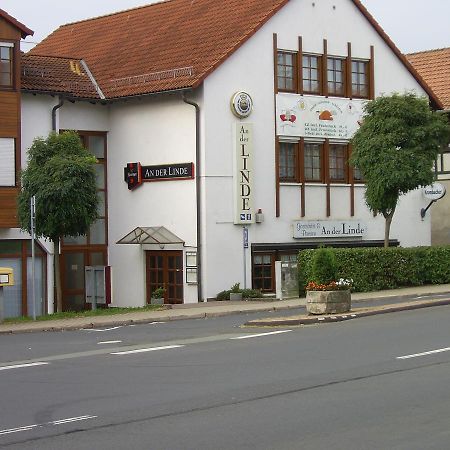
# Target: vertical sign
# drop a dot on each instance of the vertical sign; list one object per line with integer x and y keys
{"x": 243, "y": 174}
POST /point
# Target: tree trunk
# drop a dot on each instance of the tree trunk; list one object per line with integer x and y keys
{"x": 387, "y": 227}
{"x": 59, "y": 306}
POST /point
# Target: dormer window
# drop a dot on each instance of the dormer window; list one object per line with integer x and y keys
{"x": 6, "y": 64}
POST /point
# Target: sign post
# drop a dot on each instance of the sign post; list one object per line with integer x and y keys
{"x": 245, "y": 245}
{"x": 33, "y": 229}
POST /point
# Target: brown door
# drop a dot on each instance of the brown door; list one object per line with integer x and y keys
{"x": 165, "y": 269}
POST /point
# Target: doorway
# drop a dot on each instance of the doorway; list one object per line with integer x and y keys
{"x": 165, "y": 269}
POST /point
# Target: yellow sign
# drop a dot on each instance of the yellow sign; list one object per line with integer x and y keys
{"x": 6, "y": 277}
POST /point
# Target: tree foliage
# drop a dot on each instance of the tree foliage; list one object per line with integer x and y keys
{"x": 395, "y": 148}
{"x": 60, "y": 173}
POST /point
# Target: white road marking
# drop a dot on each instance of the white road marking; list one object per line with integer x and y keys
{"x": 248, "y": 336}
{"x": 109, "y": 342}
{"x": 143, "y": 350}
{"x": 431, "y": 352}
{"x": 18, "y": 366}
{"x": 103, "y": 329}
{"x": 38, "y": 425}
{"x": 155, "y": 323}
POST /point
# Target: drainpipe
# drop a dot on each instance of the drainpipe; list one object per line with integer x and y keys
{"x": 198, "y": 195}
{"x": 55, "y": 108}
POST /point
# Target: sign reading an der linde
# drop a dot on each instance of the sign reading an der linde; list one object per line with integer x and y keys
{"x": 243, "y": 174}
{"x": 310, "y": 229}
{"x": 135, "y": 174}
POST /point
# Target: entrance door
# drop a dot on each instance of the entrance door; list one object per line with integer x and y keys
{"x": 263, "y": 271}
{"x": 165, "y": 269}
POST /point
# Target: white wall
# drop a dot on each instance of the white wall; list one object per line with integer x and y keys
{"x": 151, "y": 131}
{"x": 250, "y": 69}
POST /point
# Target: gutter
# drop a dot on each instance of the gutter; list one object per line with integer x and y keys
{"x": 54, "y": 109}
{"x": 198, "y": 195}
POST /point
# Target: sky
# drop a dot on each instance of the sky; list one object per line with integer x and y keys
{"x": 413, "y": 25}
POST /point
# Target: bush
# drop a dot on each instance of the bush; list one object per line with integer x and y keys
{"x": 374, "y": 269}
{"x": 246, "y": 293}
{"x": 324, "y": 267}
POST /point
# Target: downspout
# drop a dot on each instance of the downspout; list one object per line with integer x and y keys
{"x": 55, "y": 108}
{"x": 198, "y": 195}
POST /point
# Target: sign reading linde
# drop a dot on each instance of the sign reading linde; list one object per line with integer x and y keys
{"x": 310, "y": 229}
{"x": 243, "y": 174}
{"x": 135, "y": 174}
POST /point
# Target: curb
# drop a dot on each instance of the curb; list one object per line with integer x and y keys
{"x": 312, "y": 320}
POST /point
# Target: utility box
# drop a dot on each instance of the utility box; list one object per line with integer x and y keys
{"x": 6, "y": 276}
{"x": 98, "y": 285}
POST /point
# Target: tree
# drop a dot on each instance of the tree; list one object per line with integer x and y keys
{"x": 60, "y": 173}
{"x": 395, "y": 149}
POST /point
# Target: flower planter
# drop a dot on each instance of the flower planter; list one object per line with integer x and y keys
{"x": 157, "y": 301}
{"x": 328, "y": 302}
{"x": 235, "y": 296}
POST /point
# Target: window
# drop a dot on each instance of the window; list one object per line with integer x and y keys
{"x": 357, "y": 175}
{"x": 313, "y": 162}
{"x": 288, "y": 161}
{"x": 263, "y": 271}
{"x": 337, "y": 163}
{"x": 6, "y": 64}
{"x": 360, "y": 79}
{"x": 7, "y": 162}
{"x": 287, "y": 71}
{"x": 336, "y": 76}
{"x": 443, "y": 162}
{"x": 311, "y": 74}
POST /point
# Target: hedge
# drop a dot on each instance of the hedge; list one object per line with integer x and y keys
{"x": 373, "y": 269}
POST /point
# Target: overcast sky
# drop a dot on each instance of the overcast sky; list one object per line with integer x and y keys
{"x": 413, "y": 25}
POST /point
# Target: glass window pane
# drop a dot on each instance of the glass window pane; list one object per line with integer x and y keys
{"x": 97, "y": 232}
{"x": 96, "y": 145}
{"x": 97, "y": 259}
{"x": 100, "y": 175}
{"x": 74, "y": 270}
{"x": 101, "y": 203}
{"x": 75, "y": 240}
{"x": 10, "y": 247}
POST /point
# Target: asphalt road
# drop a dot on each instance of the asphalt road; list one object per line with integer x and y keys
{"x": 208, "y": 384}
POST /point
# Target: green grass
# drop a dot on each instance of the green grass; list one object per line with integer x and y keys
{"x": 77, "y": 314}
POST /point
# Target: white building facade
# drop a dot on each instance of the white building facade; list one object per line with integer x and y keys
{"x": 200, "y": 192}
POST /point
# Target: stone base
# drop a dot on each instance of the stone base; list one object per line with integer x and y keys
{"x": 157, "y": 301}
{"x": 328, "y": 302}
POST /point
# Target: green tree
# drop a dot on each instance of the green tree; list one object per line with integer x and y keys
{"x": 60, "y": 173}
{"x": 395, "y": 148}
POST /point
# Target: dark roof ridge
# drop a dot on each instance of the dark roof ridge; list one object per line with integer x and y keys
{"x": 31, "y": 55}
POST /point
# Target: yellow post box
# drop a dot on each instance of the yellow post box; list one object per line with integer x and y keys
{"x": 6, "y": 276}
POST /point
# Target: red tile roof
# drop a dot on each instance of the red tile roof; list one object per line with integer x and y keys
{"x": 163, "y": 46}
{"x": 434, "y": 67}
{"x": 25, "y": 31}
{"x": 57, "y": 75}
{"x": 174, "y": 44}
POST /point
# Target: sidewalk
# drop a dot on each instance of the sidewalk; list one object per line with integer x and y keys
{"x": 392, "y": 301}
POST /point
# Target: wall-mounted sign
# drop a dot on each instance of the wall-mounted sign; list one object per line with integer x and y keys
{"x": 243, "y": 174}
{"x": 135, "y": 174}
{"x": 312, "y": 229}
{"x": 241, "y": 104}
{"x": 318, "y": 117}
{"x": 434, "y": 192}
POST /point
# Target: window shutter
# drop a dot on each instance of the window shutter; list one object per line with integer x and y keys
{"x": 7, "y": 162}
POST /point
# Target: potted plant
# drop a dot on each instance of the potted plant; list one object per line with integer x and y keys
{"x": 235, "y": 292}
{"x": 325, "y": 295}
{"x": 157, "y": 297}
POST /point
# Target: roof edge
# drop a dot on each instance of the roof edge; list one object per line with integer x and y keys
{"x": 25, "y": 31}
{"x": 433, "y": 97}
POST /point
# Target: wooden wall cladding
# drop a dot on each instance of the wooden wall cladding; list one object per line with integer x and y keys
{"x": 9, "y": 32}
{"x": 8, "y": 207}
{"x": 9, "y": 114}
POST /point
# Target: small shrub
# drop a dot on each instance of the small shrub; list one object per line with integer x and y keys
{"x": 324, "y": 268}
{"x": 251, "y": 293}
{"x": 223, "y": 295}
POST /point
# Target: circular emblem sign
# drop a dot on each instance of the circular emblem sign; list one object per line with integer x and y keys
{"x": 241, "y": 104}
{"x": 434, "y": 192}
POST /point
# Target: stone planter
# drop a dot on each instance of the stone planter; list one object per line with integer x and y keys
{"x": 157, "y": 301}
{"x": 328, "y": 302}
{"x": 234, "y": 296}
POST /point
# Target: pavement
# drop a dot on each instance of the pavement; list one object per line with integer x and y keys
{"x": 363, "y": 305}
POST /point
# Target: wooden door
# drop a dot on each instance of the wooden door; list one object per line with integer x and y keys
{"x": 165, "y": 269}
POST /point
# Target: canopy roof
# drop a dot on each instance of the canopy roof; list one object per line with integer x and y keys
{"x": 150, "y": 235}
